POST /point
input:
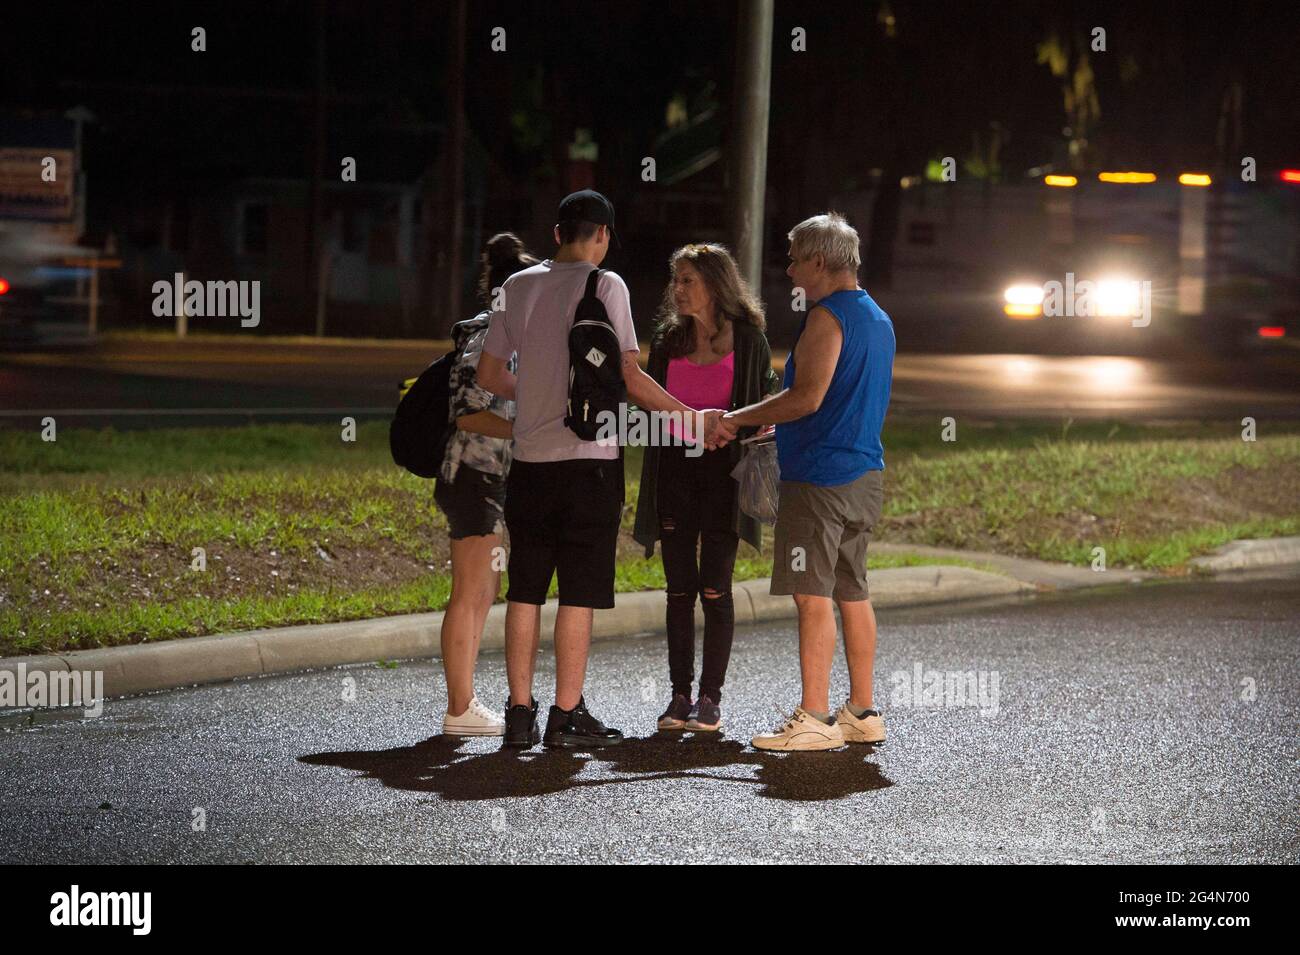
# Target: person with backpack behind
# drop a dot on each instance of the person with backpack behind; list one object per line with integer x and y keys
{"x": 709, "y": 351}
{"x": 570, "y": 324}
{"x": 470, "y": 491}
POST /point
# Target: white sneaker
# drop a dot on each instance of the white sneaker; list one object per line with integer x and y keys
{"x": 869, "y": 729}
{"x": 802, "y": 731}
{"x": 477, "y": 720}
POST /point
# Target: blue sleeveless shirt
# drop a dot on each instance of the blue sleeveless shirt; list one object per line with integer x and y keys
{"x": 840, "y": 441}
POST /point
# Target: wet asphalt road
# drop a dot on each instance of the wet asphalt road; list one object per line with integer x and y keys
{"x": 1119, "y": 733}
{"x": 160, "y": 384}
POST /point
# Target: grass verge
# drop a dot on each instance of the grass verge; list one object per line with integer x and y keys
{"x": 99, "y": 530}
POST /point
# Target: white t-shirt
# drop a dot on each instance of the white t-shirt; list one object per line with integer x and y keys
{"x": 537, "y": 311}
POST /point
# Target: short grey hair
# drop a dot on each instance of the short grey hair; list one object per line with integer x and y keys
{"x": 830, "y": 236}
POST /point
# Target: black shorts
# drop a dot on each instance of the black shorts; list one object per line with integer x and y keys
{"x": 474, "y": 503}
{"x": 563, "y": 518}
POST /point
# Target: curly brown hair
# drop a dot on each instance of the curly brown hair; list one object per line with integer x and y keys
{"x": 734, "y": 300}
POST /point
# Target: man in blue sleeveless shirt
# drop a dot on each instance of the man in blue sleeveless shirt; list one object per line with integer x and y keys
{"x": 828, "y": 422}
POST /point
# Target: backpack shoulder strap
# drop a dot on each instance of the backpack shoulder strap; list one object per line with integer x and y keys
{"x": 592, "y": 278}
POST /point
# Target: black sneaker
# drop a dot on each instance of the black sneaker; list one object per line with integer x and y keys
{"x": 521, "y": 726}
{"x": 577, "y": 729}
{"x": 678, "y": 712}
{"x": 706, "y": 715}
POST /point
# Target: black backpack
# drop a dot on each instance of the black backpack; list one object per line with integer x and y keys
{"x": 595, "y": 366}
{"x": 422, "y": 423}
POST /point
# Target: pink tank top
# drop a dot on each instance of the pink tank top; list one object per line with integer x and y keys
{"x": 701, "y": 386}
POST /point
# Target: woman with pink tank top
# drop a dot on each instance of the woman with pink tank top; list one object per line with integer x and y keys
{"x": 708, "y": 351}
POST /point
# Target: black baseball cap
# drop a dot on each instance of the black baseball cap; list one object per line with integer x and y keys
{"x": 588, "y": 205}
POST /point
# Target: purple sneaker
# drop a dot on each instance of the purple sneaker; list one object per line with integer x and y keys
{"x": 679, "y": 710}
{"x": 706, "y": 716}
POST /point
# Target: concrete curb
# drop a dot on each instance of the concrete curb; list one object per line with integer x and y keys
{"x": 1249, "y": 554}
{"x": 1041, "y": 573}
{"x": 213, "y": 659}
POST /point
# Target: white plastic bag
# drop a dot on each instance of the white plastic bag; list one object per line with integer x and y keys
{"x": 759, "y": 480}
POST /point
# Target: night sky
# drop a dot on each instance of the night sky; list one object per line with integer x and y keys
{"x": 856, "y": 99}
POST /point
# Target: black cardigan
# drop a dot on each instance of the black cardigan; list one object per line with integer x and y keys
{"x": 754, "y": 380}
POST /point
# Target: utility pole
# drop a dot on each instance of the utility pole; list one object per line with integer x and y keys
{"x": 753, "y": 97}
{"x": 455, "y": 167}
{"x": 315, "y": 258}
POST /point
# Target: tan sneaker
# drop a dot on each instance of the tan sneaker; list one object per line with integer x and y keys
{"x": 802, "y": 731}
{"x": 869, "y": 729}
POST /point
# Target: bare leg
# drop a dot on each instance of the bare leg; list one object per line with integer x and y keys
{"x": 474, "y": 586}
{"x": 859, "y": 648}
{"x": 572, "y": 641}
{"x": 816, "y": 650}
{"x": 523, "y": 629}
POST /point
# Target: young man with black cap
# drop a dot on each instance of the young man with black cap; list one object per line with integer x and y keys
{"x": 564, "y": 495}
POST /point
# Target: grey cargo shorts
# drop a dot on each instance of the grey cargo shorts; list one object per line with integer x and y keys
{"x": 821, "y": 536}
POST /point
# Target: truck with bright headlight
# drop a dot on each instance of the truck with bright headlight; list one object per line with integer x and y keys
{"x": 1121, "y": 261}
{"x": 1155, "y": 256}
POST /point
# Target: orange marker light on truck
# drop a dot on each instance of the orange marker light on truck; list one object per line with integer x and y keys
{"x": 4, "y": 286}
{"x": 1061, "y": 180}
{"x": 1130, "y": 178}
{"x": 1193, "y": 179}
{"x": 1291, "y": 175}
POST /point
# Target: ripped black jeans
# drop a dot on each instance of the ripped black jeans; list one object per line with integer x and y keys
{"x": 696, "y": 499}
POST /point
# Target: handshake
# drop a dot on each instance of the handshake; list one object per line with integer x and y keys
{"x": 719, "y": 431}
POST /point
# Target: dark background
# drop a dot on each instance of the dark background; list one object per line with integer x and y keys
{"x": 882, "y": 88}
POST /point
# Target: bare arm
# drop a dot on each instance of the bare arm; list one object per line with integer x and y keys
{"x": 645, "y": 392}
{"x": 493, "y": 376}
{"x": 815, "y": 356}
{"x": 485, "y": 422}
